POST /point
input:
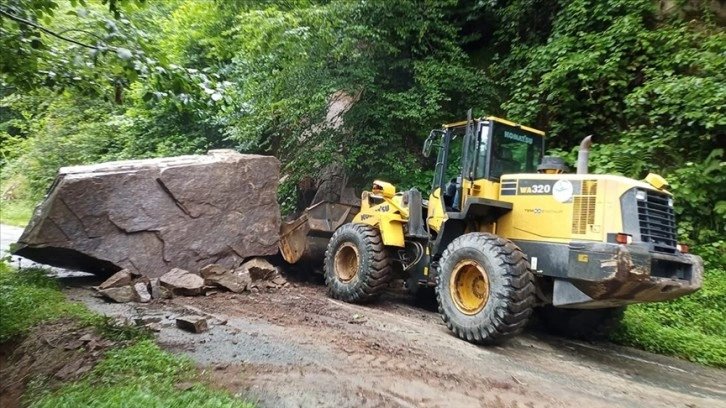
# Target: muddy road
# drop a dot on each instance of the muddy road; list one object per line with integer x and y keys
{"x": 295, "y": 347}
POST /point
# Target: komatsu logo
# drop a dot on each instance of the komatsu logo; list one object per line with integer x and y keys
{"x": 518, "y": 137}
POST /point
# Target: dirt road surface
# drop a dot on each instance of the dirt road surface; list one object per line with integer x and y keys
{"x": 295, "y": 347}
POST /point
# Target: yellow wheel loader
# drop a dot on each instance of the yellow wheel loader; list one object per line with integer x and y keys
{"x": 504, "y": 231}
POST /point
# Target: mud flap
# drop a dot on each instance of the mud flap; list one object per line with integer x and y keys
{"x": 566, "y": 294}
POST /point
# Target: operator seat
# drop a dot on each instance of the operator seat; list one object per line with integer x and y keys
{"x": 505, "y": 164}
{"x": 451, "y": 190}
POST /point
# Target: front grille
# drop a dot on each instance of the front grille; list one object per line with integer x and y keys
{"x": 657, "y": 221}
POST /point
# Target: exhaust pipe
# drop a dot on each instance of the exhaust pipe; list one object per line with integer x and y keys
{"x": 583, "y": 155}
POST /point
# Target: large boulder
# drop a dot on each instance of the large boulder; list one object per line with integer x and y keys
{"x": 149, "y": 216}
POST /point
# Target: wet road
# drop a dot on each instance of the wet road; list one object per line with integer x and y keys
{"x": 9, "y": 235}
{"x": 295, "y": 347}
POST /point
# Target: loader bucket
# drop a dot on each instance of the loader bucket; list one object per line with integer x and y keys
{"x": 306, "y": 238}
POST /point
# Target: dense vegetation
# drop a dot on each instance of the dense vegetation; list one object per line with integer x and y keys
{"x": 137, "y": 79}
{"x": 136, "y": 372}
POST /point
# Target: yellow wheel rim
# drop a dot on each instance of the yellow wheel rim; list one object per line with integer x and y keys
{"x": 469, "y": 287}
{"x": 346, "y": 262}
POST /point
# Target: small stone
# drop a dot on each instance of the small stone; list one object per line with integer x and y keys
{"x": 279, "y": 280}
{"x": 357, "y": 319}
{"x": 155, "y": 288}
{"x": 145, "y": 320}
{"x": 192, "y": 323}
{"x": 142, "y": 292}
{"x": 118, "y": 279}
{"x": 67, "y": 371}
{"x": 155, "y": 327}
{"x": 260, "y": 269}
{"x": 255, "y": 289}
{"x": 123, "y": 294}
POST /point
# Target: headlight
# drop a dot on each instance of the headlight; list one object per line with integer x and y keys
{"x": 670, "y": 202}
{"x": 640, "y": 195}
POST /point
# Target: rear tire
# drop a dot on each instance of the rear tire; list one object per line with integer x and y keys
{"x": 357, "y": 265}
{"x": 485, "y": 289}
{"x": 581, "y": 324}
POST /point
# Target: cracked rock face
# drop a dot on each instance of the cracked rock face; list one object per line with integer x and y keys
{"x": 149, "y": 216}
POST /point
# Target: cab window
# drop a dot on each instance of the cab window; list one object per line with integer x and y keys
{"x": 514, "y": 150}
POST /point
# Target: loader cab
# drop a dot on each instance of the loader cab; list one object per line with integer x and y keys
{"x": 476, "y": 153}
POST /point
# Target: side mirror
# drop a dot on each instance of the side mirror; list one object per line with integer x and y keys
{"x": 428, "y": 143}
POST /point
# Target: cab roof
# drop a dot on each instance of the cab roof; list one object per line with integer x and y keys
{"x": 495, "y": 119}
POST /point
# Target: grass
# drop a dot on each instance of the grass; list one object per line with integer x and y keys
{"x": 16, "y": 212}
{"x": 692, "y": 327}
{"x": 137, "y": 373}
{"x": 29, "y": 298}
{"x": 141, "y": 375}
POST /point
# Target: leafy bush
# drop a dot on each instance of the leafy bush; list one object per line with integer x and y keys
{"x": 16, "y": 212}
{"x": 692, "y": 327}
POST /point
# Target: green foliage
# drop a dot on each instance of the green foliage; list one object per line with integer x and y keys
{"x": 693, "y": 327}
{"x": 139, "y": 375}
{"x": 16, "y": 212}
{"x": 29, "y": 297}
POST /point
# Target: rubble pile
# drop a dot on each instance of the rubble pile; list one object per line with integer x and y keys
{"x": 129, "y": 286}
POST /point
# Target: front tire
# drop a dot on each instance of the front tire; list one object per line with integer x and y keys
{"x": 485, "y": 289}
{"x": 357, "y": 265}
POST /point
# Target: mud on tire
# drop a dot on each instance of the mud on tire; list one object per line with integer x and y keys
{"x": 357, "y": 264}
{"x": 510, "y": 288}
{"x": 582, "y": 324}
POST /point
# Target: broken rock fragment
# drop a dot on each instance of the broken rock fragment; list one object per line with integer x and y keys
{"x": 149, "y": 216}
{"x": 192, "y": 323}
{"x": 141, "y": 292}
{"x": 260, "y": 269}
{"x": 118, "y": 279}
{"x": 262, "y": 274}
{"x": 217, "y": 275}
{"x": 158, "y": 291}
{"x": 123, "y": 294}
{"x": 181, "y": 282}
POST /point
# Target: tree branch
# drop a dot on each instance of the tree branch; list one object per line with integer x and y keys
{"x": 80, "y": 31}
{"x": 45, "y": 30}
